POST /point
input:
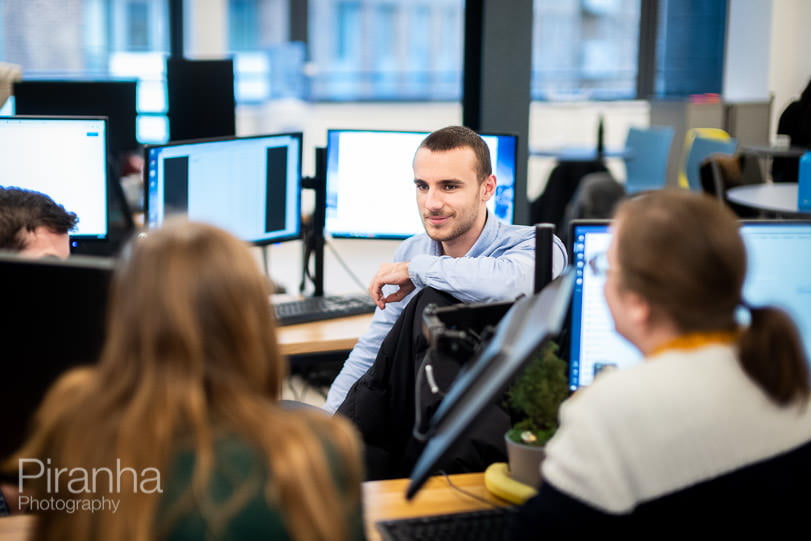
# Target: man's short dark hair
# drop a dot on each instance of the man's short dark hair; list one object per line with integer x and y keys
{"x": 454, "y": 137}
{"x": 25, "y": 210}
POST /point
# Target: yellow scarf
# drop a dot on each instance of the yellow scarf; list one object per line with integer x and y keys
{"x": 696, "y": 340}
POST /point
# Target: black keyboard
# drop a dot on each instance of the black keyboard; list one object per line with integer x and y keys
{"x": 486, "y": 525}
{"x": 320, "y": 308}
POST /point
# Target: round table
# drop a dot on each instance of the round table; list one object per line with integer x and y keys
{"x": 779, "y": 198}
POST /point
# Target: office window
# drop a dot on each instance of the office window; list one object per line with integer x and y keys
{"x": 243, "y": 25}
{"x": 257, "y": 35}
{"x": 585, "y": 49}
{"x": 385, "y": 49}
{"x": 94, "y": 39}
{"x": 137, "y": 18}
{"x": 348, "y": 39}
{"x": 690, "y": 47}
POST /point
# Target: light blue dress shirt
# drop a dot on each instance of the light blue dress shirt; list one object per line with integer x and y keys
{"x": 500, "y": 266}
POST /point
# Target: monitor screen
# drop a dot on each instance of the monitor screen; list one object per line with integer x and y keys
{"x": 64, "y": 158}
{"x": 59, "y": 311}
{"x": 519, "y": 334}
{"x": 114, "y": 99}
{"x": 778, "y": 259}
{"x": 250, "y": 186}
{"x": 366, "y": 168}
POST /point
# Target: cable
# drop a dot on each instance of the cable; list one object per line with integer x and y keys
{"x": 327, "y": 242}
{"x": 467, "y": 493}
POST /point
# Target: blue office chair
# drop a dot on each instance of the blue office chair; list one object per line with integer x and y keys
{"x": 701, "y": 148}
{"x": 646, "y": 164}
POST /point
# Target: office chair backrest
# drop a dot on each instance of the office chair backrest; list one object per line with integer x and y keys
{"x": 646, "y": 163}
{"x": 689, "y": 137}
{"x": 702, "y": 148}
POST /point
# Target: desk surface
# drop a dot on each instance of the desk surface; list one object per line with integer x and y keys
{"x": 15, "y": 528}
{"x": 381, "y": 500}
{"x": 384, "y": 500}
{"x": 780, "y": 198}
{"x": 322, "y": 336}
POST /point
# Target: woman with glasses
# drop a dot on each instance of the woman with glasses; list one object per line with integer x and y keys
{"x": 177, "y": 432}
{"x": 714, "y": 429}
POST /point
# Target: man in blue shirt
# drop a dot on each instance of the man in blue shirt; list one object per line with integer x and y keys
{"x": 465, "y": 251}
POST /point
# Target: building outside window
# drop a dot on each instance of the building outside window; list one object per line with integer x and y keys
{"x": 93, "y": 39}
{"x": 360, "y": 50}
{"x": 585, "y": 49}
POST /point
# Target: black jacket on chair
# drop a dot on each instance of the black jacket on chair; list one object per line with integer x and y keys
{"x": 382, "y": 403}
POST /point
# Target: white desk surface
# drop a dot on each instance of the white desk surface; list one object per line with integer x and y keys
{"x": 779, "y": 197}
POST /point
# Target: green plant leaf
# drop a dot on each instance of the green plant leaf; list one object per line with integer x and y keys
{"x": 538, "y": 392}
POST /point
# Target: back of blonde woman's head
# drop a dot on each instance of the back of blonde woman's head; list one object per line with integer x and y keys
{"x": 190, "y": 357}
{"x": 191, "y": 302}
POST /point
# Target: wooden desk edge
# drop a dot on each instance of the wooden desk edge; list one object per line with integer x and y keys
{"x": 382, "y": 500}
{"x": 322, "y": 336}
{"x": 16, "y": 527}
{"x": 385, "y": 500}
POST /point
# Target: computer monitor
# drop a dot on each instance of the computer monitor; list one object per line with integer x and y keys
{"x": 55, "y": 313}
{"x": 250, "y": 186}
{"x": 520, "y": 333}
{"x": 370, "y": 182}
{"x": 200, "y": 98}
{"x": 114, "y": 99}
{"x": 64, "y": 158}
{"x": 778, "y": 259}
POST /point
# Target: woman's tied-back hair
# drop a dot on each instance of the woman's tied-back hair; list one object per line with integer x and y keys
{"x": 683, "y": 253}
{"x": 191, "y": 357}
{"x": 454, "y": 137}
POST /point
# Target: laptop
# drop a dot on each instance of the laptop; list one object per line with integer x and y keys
{"x": 778, "y": 259}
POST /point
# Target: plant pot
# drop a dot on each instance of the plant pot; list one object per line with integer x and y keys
{"x": 525, "y": 462}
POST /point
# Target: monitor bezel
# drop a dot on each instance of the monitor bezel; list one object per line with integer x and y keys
{"x": 224, "y": 139}
{"x": 75, "y": 239}
{"x": 390, "y": 236}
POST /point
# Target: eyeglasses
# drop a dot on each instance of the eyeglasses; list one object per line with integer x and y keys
{"x": 599, "y": 264}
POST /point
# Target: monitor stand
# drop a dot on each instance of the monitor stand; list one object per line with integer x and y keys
{"x": 313, "y": 231}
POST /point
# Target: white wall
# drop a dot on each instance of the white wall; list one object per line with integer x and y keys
{"x": 789, "y": 59}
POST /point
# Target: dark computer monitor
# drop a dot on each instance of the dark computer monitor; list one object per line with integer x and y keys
{"x": 520, "y": 333}
{"x": 114, "y": 99}
{"x": 55, "y": 312}
{"x": 778, "y": 259}
{"x": 366, "y": 168}
{"x": 250, "y": 186}
{"x": 200, "y": 98}
{"x": 64, "y": 158}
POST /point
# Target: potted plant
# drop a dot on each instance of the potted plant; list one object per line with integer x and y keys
{"x": 534, "y": 399}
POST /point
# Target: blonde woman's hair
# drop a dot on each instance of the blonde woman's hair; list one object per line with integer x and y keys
{"x": 191, "y": 356}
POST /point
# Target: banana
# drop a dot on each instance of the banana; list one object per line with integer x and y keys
{"x": 498, "y": 481}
